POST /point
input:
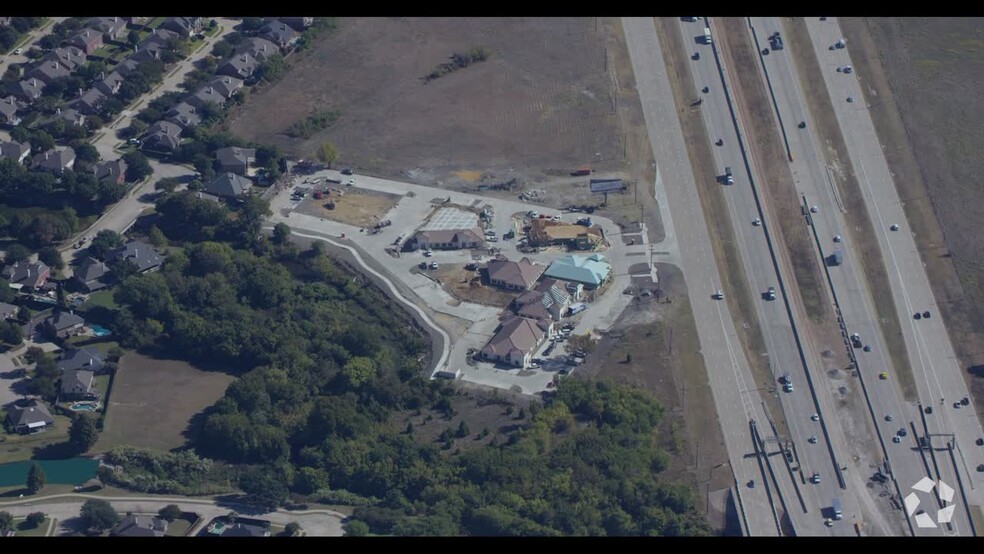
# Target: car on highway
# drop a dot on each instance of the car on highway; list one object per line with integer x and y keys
{"x": 814, "y": 209}
{"x": 901, "y": 432}
{"x": 815, "y": 417}
{"x": 867, "y": 348}
{"x": 926, "y": 315}
{"x": 896, "y": 439}
{"x": 729, "y": 179}
{"x": 838, "y": 238}
{"x": 815, "y": 479}
{"x": 812, "y": 440}
{"x": 770, "y": 294}
{"x": 756, "y": 222}
{"x": 883, "y": 376}
{"x": 719, "y": 295}
{"x": 888, "y": 417}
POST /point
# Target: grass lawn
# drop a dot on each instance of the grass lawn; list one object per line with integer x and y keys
{"x": 102, "y": 298}
{"x": 180, "y": 526}
{"x": 99, "y": 384}
{"x": 212, "y": 32}
{"x": 20, "y": 529}
{"x": 16, "y": 448}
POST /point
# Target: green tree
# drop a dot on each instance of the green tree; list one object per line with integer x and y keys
{"x": 82, "y": 435}
{"x": 156, "y": 237}
{"x": 167, "y": 184}
{"x": 34, "y": 519}
{"x": 6, "y": 522}
{"x": 51, "y": 257}
{"x": 7, "y": 294}
{"x": 11, "y": 333}
{"x": 263, "y": 489}
{"x": 281, "y": 233}
{"x": 103, "y": 243}
{"x": 293, "y": 529}
{"x": 98, "y": 515}
{"x": 137, "y": 166}
{"x": 358, "y": 371}
{"x": 170, "y": 512}
{"x": 35, "y": 479}
{"x": 356, "y": 528}
{"x": 16, "y": 253}
{"x": 463, "y": 430}
{"x": 121, "y": 271}
{"x": 327, "y": 153}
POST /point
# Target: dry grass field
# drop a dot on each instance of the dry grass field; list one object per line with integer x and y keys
{"x": 354, "y": 206}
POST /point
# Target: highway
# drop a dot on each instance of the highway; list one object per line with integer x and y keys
{"x": 938, "y": 375}
{"x": 727, "y": 368}
{"x": 773, "y": 317}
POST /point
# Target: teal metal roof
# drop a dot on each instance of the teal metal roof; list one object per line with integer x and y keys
{"x": 590, "y": 270}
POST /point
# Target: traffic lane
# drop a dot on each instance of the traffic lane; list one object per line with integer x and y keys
{"x": 670, "y": 152}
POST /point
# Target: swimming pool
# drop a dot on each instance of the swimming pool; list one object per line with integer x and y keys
{"x": 84, "y": 406}
{"x": 99, "y": 330}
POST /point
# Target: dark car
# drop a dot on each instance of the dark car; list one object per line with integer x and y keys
{"x": 347, "y": 171}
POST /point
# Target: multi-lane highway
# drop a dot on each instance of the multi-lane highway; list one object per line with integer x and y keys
{"x": 938, "y": 375}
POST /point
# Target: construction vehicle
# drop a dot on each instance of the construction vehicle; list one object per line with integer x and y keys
{"x": 581, "y": 172}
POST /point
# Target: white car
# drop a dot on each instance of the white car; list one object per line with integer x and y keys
{"x": 756, "y": 222}
{"x": 814, "y": 209}
{"x": 894, "y": 227}
{"x": 837, "y": 238}
{"x": 815, "y": 417}
{"x": 719, "y": 295}
{"x": 19, "y": 51}
{"x": 428, "y": 254}
{"x": 350, "y": 182}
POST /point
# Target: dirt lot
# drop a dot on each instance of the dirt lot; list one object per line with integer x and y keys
{"x": 153, "y": 401}
{"x": 354, "y": 206}
{"x": 470, "y": 286}
{"x": 665, "y": 360}
{"x": 922, "y": 78}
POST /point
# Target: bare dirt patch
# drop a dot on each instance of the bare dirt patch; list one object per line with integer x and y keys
{"x": 859, "y": 226}
{"x": 470, "y": 286}
{"x": 154, "y": 401}
{"x": 922, "y": 91}
{"x": 354, "y": 206}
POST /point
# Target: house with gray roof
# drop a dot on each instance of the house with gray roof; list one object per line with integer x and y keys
{"x": 298, "y": 23}
{"x": 71, "y": 57}
{"x": 517, "y": 276}
{"x": 68, "y": 116}
{"x": 257, "y": 47}
{"x": 548, "y": 300}
{"x": 90, "y": 273}
{"x": 140, "y": 526}
{"x": 27, "y": 89}
{"x": 82, "y": 358}
{"x": 126, "y": 66}
{"x": 205, "y": 95}
{"x": 109, "y": 84}
{"x": 516, "y": 340}
{"x": 183, "y": 115}
{"x": 88, "y": 40}
{"x": 226, "y": 85}
{"x": 240, "y": 66}
{"x": 141, "y": 253}
{"x": 8, "y": 311}
{"x": 27, "y": 274}
{"x": 62, "y": 324}
{"x": 280, "y": 34}
{"x": 229, "y": 185}
{"x": 76, "y": 384}
{"x": 235, "y": 159}
{"x": 9, "y": 107}
{"x": 30, "y": 416}
{"x": 47, "y": 71}
{"x": 56, "y": 161}
{"x": 111, "y": 172}
{"x": 90, "y": 102}
{"x": 112, "y": 28}
{"x": 18, "y": 151}
{"x": 162, "y": 136}
{"x": 184, "y": 26}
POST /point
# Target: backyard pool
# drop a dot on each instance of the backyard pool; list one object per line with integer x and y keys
{"x": 99, "y": 330}
{"x": 84, "y": 406}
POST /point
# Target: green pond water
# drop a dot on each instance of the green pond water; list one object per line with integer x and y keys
{"x": 74, "y": 471}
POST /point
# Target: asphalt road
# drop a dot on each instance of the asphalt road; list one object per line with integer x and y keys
{"x": 727, "y": 369}
{"x": 784, "y": 354}
{"x": 937, "y": 373}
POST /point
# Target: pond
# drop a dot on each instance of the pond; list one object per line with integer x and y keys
{"x": 74, "y": 471}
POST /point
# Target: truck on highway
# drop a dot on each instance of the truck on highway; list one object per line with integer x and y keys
{"x": 729, "y": 179}
{"x": 707, "y": 35}
{"x": 835, "y": 258}
{"x": 787, "y": 383}
{"x": 837, "y": 508}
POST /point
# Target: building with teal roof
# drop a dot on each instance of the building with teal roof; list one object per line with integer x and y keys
{"x": 591, "y": 271}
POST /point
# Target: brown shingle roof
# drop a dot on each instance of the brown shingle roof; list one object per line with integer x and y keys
{"x": 518, "y": 274}
{"x": 517, "y": 335}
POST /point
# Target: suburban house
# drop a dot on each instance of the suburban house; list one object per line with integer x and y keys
{"x": 76, "y": 384}
{"x": 516, "y": 341}
{"x": 30, "y": 416}
{"x": 591, "y": 271}
{"x": 26, "y": 90}
{"x": 239, "y": 66}
{"x": 89, "y": 273}
{"x": 205, "y": 95}
{"x": 57, "y": 160}
{"x": 240, "y": 527}
{"x": 448, "y": 239}
{"x": 9, "y": 107}
{"x": 31, "y": 275}
{"x": 90, "y": 101}
{"x": 184, "y": 26}
{"x": 15, "y": 151}
{"x": 126, "y": 67}
{"x": 7, "y": 311}
{"x": 298, "y": 23}
{"x": 544, "y": 232}
{"x": 229, "y": 185}
{"x": 280, "y": 34}
{"x": 226, "y": 85}
{"x": 72, "y": 58}
{"x": 68, "y": 116}
{"x": 141, "y": 253}
{"x": 235, "y": 159}
{"x": 111, "y": 172}
{"x": 47, "y": 71}
{"x": 257, "y": 47}
{"x": 162, "y": 136}
{"x": 62, "y": 325}
{"x": 110, "y": 84}
{"x": 112, "y": 28}
{"x": 183, "y": 115}
{"x": 87, "y": 40}
{"x": 511, "y": 275}
{"x": 139, "y": 526}
{"x": 548, "y": 300}
{"x": 206, "y": 196}
{"x": 82, "y": 358}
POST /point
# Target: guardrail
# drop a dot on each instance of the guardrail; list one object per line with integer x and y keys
{"x": 772, "y": 93}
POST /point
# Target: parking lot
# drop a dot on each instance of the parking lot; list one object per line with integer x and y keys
{"x": 419, "y": 206}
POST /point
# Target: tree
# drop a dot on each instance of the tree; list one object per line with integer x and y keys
{"x": 42, "y": 141}
{"x": 170, "y": 512}
{"x": 122, "y": 270}
{"x": 103, "y": 243}
{"x": 35, "y": 519}
{"x": 463, "y": 430}
{"x": 583, "y": 343}
{"x": 133, "y": 37}
{"x": 356, "y": 528}
{"x": 23, "y": 314}
{"x": 293, "y": 529}
{"x": 167, "y": 184}
{"x": 16, "y": 253}
{"x": 264, "y": 489}
{"x": 35, "y": 479}
{"x": 11, "y": 333}
{"x": 281, "y": 233}
{"x": 137, "y": 166}
{"x": 98, "y": 514}
{"x": 156, "y": 237}
{"x": 51, "y": 257}
{"x": 85, "y": 152}
{"x": 6, "y": 522}
{"x": 327, "y": 153}
{"x": 7, "y": 294}
{"x": 83, "y": 433}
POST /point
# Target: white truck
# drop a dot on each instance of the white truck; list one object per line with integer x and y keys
{"x": 707, "y": 35}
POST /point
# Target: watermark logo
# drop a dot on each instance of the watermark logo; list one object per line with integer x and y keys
{"x": 925, "y": 486}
